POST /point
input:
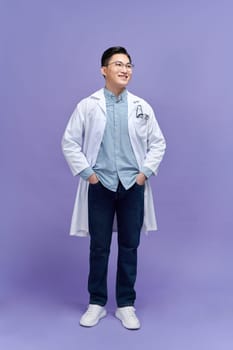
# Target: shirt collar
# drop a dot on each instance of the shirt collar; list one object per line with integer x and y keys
{"x": 110, "y": 96}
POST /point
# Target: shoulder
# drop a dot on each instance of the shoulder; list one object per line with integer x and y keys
{"x": 140, "y": 101}
{"x": 137, "y": 99}
{"x": 90, "y": 101}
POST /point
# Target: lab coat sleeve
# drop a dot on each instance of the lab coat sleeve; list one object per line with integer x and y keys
{"x": 156, "y": 145}
{"x": 72, "y": 141}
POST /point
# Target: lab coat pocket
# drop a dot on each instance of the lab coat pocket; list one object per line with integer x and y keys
{"x": 141, "y": 125}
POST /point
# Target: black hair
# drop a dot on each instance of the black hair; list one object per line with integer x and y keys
{"x": 112, "y": 51}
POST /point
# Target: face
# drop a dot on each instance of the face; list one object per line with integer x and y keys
{"x": 116, "y": 73}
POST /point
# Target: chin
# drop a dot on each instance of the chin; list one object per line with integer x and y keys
{"x": 123, "y": 84}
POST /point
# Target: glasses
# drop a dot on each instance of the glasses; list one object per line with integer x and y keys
{"x": 120, "y": 65}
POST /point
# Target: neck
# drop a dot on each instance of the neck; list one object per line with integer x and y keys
{"x": 115, "y": 90}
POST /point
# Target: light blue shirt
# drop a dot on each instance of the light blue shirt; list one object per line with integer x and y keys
{"x": 116, "y": 160}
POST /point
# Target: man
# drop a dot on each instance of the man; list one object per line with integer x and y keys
{"x": 113, "y": 142}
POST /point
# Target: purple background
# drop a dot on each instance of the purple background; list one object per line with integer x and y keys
{"x": 50, "y": 59}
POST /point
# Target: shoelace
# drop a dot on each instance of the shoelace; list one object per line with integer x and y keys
{"x": 131, "y": 312}
{"x": 90, "y": 310}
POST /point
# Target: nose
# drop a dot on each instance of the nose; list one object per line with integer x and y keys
{"x": 123, "y": 68}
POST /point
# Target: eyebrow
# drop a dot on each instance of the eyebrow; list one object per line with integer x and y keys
{"x": 120, "y": 62}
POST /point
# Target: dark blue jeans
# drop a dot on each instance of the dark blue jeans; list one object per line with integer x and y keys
{"x": 103, "y": 204}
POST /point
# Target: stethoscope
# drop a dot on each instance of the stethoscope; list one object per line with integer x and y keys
{"x": 140, "y": 114}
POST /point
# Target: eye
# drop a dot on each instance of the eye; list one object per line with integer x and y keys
{"x": 119, "y": 64}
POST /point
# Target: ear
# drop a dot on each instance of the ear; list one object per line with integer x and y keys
{"x": 103, "y": 71}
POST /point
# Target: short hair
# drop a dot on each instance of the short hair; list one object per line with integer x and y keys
{"x": 112, "y": 51}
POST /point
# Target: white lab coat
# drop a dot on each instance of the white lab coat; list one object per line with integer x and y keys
{"x": 81, "y": 142}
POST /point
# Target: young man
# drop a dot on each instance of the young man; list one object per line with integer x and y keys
{"x": 114, "y": 143}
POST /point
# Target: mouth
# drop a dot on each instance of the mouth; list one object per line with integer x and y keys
{"x": 123, "y": 76}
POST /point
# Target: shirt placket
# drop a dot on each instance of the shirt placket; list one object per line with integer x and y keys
{"x": 116, "y": 139}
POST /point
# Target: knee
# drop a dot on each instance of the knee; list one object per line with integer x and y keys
{"x": 127, "y": 250}
{"x": 99, "y": 251}
{"x": 129, "y": 244}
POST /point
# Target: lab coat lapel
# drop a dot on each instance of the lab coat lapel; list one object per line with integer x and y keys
{"x": 99, "y": 96}
{"x": 133, "y": 101}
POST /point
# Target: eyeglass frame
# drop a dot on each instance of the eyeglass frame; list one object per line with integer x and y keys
{"x": 128, "y": 66}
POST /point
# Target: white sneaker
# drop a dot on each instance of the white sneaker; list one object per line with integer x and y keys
{"x": 92, "y": 316}
{"x": 128, "y": 317}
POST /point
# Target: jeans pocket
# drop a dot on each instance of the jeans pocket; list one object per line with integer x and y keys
{"x": 96, "y": 183}
{"x": 139, "y": 185}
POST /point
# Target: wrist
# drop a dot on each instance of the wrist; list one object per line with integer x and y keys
{"x": 93, "y": 179}
{"x": 142, "y": 175}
